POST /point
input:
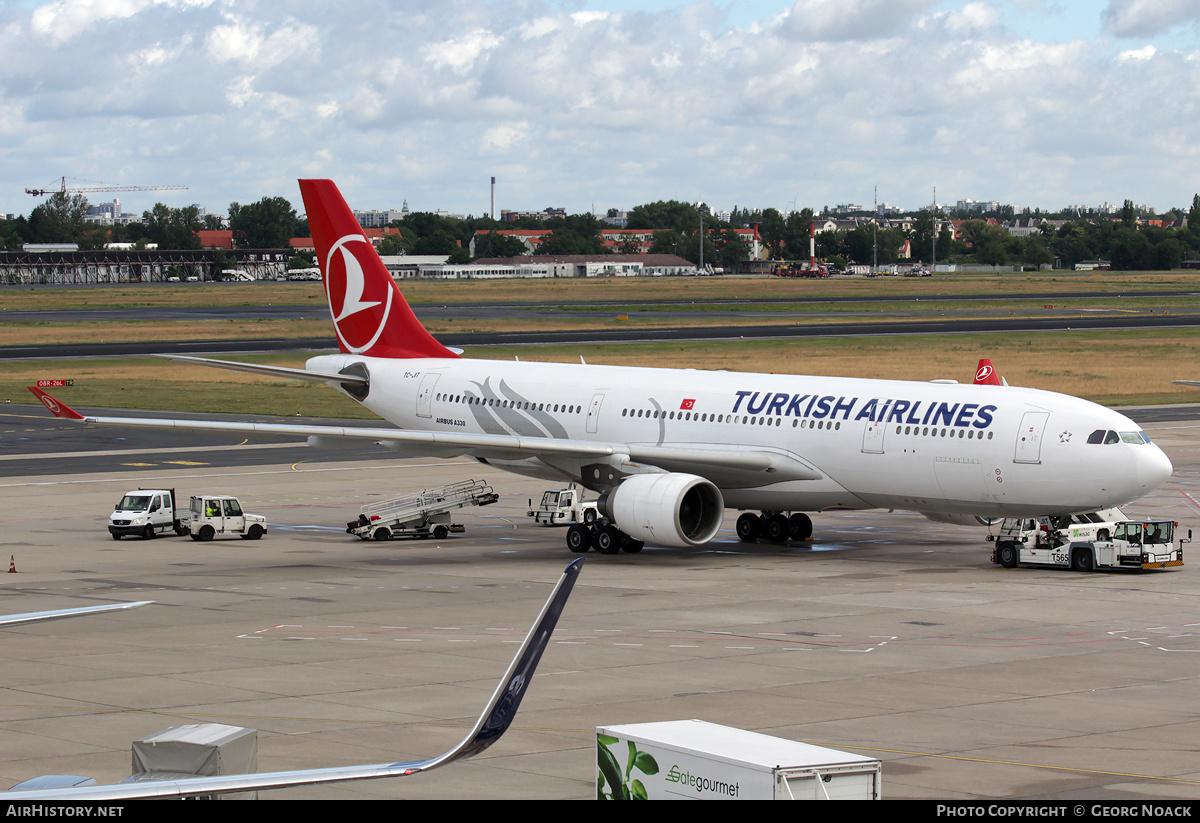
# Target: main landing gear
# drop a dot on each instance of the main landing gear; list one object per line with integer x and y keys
{"x": 603, "y": 537}
{"x": 777, "y": 527}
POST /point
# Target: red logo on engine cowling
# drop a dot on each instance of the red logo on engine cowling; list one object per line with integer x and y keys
{"x": 359, "y": 305}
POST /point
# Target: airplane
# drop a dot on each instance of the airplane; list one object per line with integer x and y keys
{"x": 495, "y": 719}
{"x": 668, "y": 450}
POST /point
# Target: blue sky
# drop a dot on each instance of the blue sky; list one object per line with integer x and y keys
{"x": 605, "y": 103}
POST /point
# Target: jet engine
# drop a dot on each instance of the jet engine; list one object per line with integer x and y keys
{"x": 960, "y": 519}
{"x": 665, "y": 509}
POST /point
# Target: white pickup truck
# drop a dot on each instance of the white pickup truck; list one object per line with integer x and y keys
{"x": 221, "y": 515}
{"x": 146, "y": 513}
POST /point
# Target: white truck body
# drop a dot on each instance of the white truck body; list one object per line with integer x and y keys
{"x": 221, "y": 515}
{"x": 146, "y": 513}
{"x": 695, "y": 760}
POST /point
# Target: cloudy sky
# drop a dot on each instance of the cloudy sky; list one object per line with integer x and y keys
{"x": 605, "y": 103}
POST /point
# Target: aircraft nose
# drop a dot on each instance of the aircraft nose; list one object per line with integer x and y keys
{"x": 1153, "y": 468}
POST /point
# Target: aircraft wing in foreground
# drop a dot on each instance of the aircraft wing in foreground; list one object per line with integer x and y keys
{"x": 59, "y": 614}
{"x": 497, "y": 716}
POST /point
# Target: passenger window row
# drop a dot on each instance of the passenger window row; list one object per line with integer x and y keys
{"x": 927, "y": 431}
{"x": 523, "y": 405}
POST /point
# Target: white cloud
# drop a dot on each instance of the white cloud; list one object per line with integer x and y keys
{"x": 1141, "y": 18}
{"x": 249, "y": 43}
{"x": 420, "y": 100}
{"x": 460, "y": 54}
{"x": 1144, "y": 53}
{"x": 65, "y": 19}
{"x": 851, "y": 19}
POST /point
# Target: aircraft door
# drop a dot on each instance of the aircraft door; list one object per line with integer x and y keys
{"x": 873, "y": 433}
{"x": 1029, "y": 437}
{"x": 425, "y": 394}
{"x": 593, "y": 415}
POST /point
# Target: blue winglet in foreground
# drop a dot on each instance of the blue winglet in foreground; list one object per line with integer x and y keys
{"x": 497, "y": 716}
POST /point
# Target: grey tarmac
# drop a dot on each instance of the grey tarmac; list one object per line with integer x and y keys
{"x": 887, "y": 635}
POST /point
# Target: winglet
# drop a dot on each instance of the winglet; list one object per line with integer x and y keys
{"x": 57, "y": 408}
{"x": 985, "y": 374}
{"x": 502, "y": 708}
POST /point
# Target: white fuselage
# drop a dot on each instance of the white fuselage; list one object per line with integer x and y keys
{"x": 928, "y": 447}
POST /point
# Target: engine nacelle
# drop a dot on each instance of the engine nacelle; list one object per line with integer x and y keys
{"x": 665, "y": 509}
{"x": 959, "y": 519}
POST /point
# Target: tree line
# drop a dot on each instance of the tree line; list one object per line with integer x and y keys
{"x": 676, "y": 227}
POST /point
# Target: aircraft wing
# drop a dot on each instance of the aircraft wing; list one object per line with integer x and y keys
{"x": 497, "y": 716}
{"x": 1187, "y": 382}
{"x": 778, "y": 465}
{"x": 59, "y": 614}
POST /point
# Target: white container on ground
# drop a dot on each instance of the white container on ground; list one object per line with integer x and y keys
{"x": 695, "y": 760}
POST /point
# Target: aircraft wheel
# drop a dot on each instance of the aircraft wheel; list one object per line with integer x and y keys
{"x": 778, "y": 529}
{"x": 382, "y": 533}
{"x": 607, "y": 540}
{"x": 1082, "y": 560}
{"x": 1006, "y": 555}
{"x": 207, "y": 533}
{"x": 589, "y": 516}
{"x": 148, "y": 532}
{"x": 801, "y": 526}
{"x": 1102, "y": 535}
{"x": 747, "y": 527}
{"x": 440, "y": 532}
{"x": 579, "y": 540}
{"x": 633, "y": 546}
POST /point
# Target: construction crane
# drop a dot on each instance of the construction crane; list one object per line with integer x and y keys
{"x": 89, "y": 189}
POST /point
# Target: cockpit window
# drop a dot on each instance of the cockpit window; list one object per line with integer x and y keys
{"x": 1111, "y": 437}
{"x": 1096, "y": 437}
{"x": 1132, "y": 437}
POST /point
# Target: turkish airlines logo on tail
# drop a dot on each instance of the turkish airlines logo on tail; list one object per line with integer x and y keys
{"x": 985, "y": 371}
{"x": 49, "y": 403}
{"x": 360, "y": 308}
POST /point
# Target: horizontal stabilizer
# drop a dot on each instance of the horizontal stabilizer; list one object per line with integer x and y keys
{"x": 272, "y": 371}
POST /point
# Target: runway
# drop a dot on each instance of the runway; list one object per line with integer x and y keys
{"x": 887, "y": 635}
{"x": 920, "y": 316}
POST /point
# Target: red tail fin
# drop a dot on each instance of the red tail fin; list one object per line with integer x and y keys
{"x": 985, "y": 374}
{"x": 369, "y": 313}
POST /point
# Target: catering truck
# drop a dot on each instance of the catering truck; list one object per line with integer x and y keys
{"x": 695, "y": 760}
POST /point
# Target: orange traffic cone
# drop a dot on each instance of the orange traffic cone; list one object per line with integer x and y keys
{"x": 12, "y": 564}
